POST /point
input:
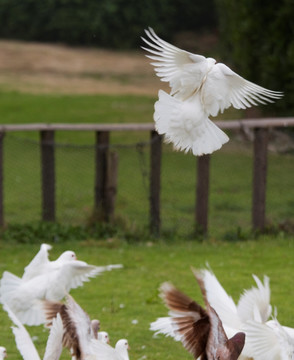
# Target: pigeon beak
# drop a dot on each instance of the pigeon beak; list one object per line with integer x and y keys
{"x": 129, "y": 348}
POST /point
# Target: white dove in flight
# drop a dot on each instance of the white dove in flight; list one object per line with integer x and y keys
{"x": 200, "y": 87}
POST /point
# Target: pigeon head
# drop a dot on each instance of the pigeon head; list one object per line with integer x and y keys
{"x": 67, "y": 256}
{"x": 122, "y": 345}
{"x": 104, "y": 337}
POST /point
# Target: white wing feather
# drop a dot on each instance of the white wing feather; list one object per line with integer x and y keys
{"x": 37, "y": 265}
{"x": 254, "y": 304}
{"x": 261, "y": 341}
{"x": 183, "y": 70}
{"x": 54, "y": 342}
{"x": 22, "y": 338}
{"x": 218, "y": 298}
{"x": 224, "y": 88}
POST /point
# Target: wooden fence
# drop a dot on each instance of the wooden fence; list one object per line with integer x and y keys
{"x": 106, "y": 168}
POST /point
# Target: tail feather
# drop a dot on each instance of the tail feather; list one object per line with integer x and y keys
{"x": 8, "y": 284}
{"x": 186, "y": 125}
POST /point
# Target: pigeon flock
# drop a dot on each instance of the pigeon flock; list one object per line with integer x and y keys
{"x": 35, "y": 299}
{"x": 223, "y": 330}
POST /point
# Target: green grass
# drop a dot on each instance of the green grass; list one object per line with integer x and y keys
{"x": 146, "y": 266}
{"x": 231, "y": 170}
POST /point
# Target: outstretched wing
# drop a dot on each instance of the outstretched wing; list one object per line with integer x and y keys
{"x": 38, "y": 264}
{"x": 218, "y": 298}
{"x": 224, "y": 88}
{"x": 183, "y": 70}
{"x": 254, "y": 303}
{"x": 188, "y": 323}
{"x": 23, "y": 340}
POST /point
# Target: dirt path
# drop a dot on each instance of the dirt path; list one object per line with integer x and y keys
{"x": 46, "y": 68}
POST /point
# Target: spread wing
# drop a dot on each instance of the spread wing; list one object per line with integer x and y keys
{"x": 183, "y": 70}
{"x": 37, "y": 265}
{"x": 262, "y": 341}
{"x": 189, "y": 322}
{"x": 218, "y": 298}
{"x": 23, "y": 340}
{"x": 254, "y": 303}
{"x": 224, "y": 88}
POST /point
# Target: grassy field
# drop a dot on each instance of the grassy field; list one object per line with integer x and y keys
{"x": 231, "y": 169}
{"x": 37, "y": 87}
{"x": 121, "y": 296}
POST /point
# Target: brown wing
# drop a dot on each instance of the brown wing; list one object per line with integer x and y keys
{"x": 189, "y": 319}
{"x": 70, "y": 338}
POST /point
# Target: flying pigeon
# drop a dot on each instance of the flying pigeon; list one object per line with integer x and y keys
{"x": 3, "y": 353}
{"x": 25, "y": 344}
{"x": 200, "y": 88}
{"x": 23, "y": 296}
{"x": 79, "y": 335}
{"x": 200, "y": 331}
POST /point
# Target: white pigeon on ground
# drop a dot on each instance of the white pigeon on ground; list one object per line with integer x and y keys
{"x": 24, "y": 296}
{"x": 3, "y": 353}
{"x": 103, "y": 351}
{"x": 79, "y": 336}
{"x": 200, "y": 88}
{"x": 103, "y": 337}
{"x": 25, "y": 344}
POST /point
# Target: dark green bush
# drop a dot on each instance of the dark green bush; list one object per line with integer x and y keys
{"x": 104, "y": 23}
{"x": 257, "y": 39}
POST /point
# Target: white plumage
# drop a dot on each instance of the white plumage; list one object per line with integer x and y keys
{"x": 41, "y": 264}
{"x": 266, "y": 338}
{"x": 200, "y": 88}
{"x": 56, "y": 278}
{"x": 3, "y": 353}
{"x": 25, "y": 344}
{"x": 103, "y": 337}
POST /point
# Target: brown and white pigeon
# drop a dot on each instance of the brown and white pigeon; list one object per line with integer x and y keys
{"x": 200, "y": 88}
{"x": 79, "y": 336}
{"x": 200, "y": 331}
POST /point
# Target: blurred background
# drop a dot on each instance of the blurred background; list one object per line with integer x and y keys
{"x": 80, "y": 61}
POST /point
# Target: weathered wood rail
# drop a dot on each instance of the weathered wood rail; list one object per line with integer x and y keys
{"x": 106, "y": 168}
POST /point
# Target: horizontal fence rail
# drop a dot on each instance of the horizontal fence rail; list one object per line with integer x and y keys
{"x": 106, "y": 168}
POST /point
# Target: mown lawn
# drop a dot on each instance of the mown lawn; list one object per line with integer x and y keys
{"x": 121, "y": 296}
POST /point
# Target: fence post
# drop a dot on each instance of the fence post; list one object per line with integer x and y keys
{"x": 48, "y": 175}
{"x": 202, "y": 194}
{"x": 259, "y": 178}
{"x": 1, "y": 180}
{"x": 101, "y": 157}
{"x": 155, "y": 170}
{"x": 111, "y": 185}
